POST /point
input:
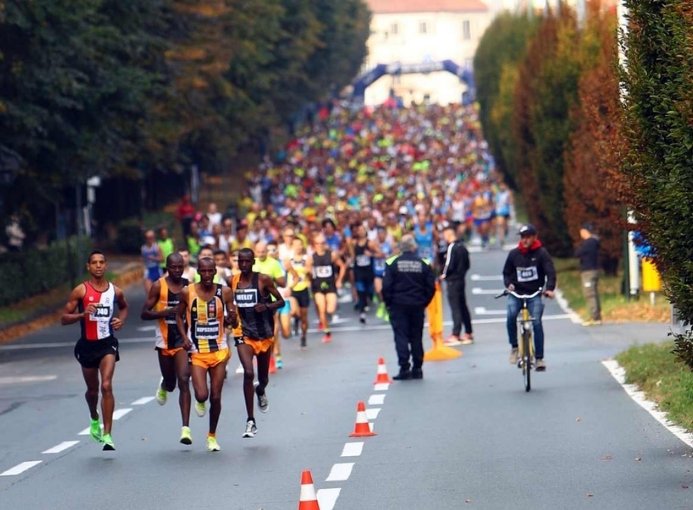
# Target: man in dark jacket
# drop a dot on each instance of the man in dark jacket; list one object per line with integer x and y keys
{"x": 527, "y": 269}
{"x": 408, "y": 287}
{"x": 588, "y": 253}
{"x": 454, "y": 273}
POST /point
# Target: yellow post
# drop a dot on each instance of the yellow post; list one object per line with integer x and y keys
{"x": 440, "y": 351}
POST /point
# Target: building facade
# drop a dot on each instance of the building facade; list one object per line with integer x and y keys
{"x": 419, "y": 32}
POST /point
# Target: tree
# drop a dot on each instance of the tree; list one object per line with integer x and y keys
{"x": 657, "y": 82}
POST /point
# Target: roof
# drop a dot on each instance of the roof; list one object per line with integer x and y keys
{"x": 411, "y": 6}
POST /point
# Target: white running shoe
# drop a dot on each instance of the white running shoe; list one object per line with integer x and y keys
{"x": 250, "y": 429}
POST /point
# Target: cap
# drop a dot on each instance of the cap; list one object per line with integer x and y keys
{"x": 527, "y": 230}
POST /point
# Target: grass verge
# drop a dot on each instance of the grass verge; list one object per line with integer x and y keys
{"x": 615, "y": 306}
{"x": 663, "y": 378}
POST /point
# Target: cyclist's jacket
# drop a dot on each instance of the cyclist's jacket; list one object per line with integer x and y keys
{"x": 529, "y": 269}
{"x": 409, "y": 281}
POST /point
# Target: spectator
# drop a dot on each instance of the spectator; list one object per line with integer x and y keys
{"x": 185, "y": 214}
{"x": 588, "y": 253}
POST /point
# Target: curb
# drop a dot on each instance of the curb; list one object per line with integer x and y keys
{"x": 130, "y": 274}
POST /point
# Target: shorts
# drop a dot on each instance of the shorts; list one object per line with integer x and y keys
{"x": 153, "y": 273}
{"x": 286, "y": 309}
{"x": 89, "y": 353}
{"x": 324, "y": 288}
{"x": 210, "y": 359}
{"x": 481, "y": 221}
{"x": 259, "y": 346}
{"x": 168, "y": 353}
{"x": 302, "y": 297}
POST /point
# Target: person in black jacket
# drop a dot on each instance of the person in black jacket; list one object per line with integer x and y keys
{"x": 408, "y": 287}
{"x": 454, "y": 273}
{"x": 588, "y": 253}
{"x": 527, "y": 269}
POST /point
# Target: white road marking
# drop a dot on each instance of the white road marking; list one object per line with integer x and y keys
{"x": 372, "y": 413}
{"x": 340, "y": 472}
{"x": 20, "y": 468}
{"x": 327, "y": 498}
{"x": 484, "y": 278}
{"x": 479, "y": 291}
{"x": 381, "y": 387}
{"x": 619, "y": 373}
{"x": 563, "y": 303}
{"x": 376, "y": 399}
{"x": 119, "y": 413}
{"x": 27, "y": 379}
{"x": 146, "y": 328}
{"x": 352, "y": 449}
{"x": 61, "y": 447}
{"x": 142, "y": 401}
{"x": 480, "y": 310}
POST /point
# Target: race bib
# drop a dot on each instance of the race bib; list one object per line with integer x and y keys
{"x": 379, "y": 265}
{"x": 101, "y": 314}
{"x": 208, "y": 331}
{"x": 363, "y": 260}
{"x": 246, "y": 298}
{"x": 323, "y": 271}
{"x": 527, "y": 274}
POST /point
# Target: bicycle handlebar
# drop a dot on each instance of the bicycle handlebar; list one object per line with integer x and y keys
{"x": 519, "y": 296}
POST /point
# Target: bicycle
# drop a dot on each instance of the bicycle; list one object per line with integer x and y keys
{"x": 525, "y": 332}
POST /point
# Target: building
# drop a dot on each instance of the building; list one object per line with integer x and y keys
{"x": 420, "y": 32}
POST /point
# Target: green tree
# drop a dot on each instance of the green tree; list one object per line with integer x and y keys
{"x": 657, "y": 82}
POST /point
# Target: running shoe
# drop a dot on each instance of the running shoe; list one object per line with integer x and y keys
{"x": 540, "y": 365}
{"x": 108, "y": 443}
{"x": 161, "y": 393}
{"x": 200, "y": 409}
{"x": 212, "y": 444}
{"x": 380, "y": 311}
{"x": 362, "y": 318}
{"x": 278, "y": 362}
{"x": 185, "y": 436}
{"x": 262, "y": 401}
{"x": 327, "y": 337}
{"x": 303, "y": 341}
{"x": 452, "y": 341}
{"x": 95, "y": 431}
{"x": 467, "y": 339}
{"x": 250, "y": 429}
{"x": 514, "y": 355}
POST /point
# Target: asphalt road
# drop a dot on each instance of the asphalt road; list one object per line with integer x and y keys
{"x": 465, "y": 436}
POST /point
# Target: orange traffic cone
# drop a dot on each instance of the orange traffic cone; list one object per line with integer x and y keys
{"x": 439, "y": 351}
{"x": 308, "y": 499}
{"x": 362, "y": 428}
{"x": 382, "y": 377}
{"x": 273, "y": 365}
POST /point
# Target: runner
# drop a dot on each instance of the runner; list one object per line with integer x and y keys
{"x": 362, "y": 252}
{"x": 270, "y": 266}
{"x": 253, "y": 292}
{"x": 92, "y": 305}
{"x": 385, "y": 246}
{"x": 161, "y": 305}
{"x": 151, "y": 256}
{"x": 324, "y": 283}
{"x": 201, "y": 319}
{"x": 299, "y": 268}
{"x": 189, "y": 272}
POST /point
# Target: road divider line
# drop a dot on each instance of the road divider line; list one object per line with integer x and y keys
{"x": 619, "y": 373}
{"x": 563, "y": 303}
{"x": 480, "y": 310}
{"x": 376, "y": 399}
{"x": 119, "y": 413}
{"x": 327, "y": 498}
{"x": 27, "y": 379}
{"x": 479, "y": 291}
{"x": 352, "y": 449}
{"x": 20, "y": 468}
{"x": 487, "y": 278}
{"x": 372, "y": 413}
{"x": 340, "y": 472}
{"x": 381, "y": 387}
{"x": 142, "y": 401}
{"x": 61, "y": 447}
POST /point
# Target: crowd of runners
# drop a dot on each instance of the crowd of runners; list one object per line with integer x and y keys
{"x": 314, "y": 227}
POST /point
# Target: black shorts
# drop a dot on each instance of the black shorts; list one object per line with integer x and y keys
{"x": 90, "y": 353}
{"x": 324, "y": 288}
{"x": 302, "y": 297}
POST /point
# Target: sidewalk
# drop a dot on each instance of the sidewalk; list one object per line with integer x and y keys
{"x": 128, "y": 270}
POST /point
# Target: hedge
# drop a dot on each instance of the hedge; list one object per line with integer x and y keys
{"x": 37, "y": 270}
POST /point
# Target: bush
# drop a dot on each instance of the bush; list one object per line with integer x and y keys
{"x": 683, "y": 347}
{"x": 37, "y": 270}
{"x": 129, "y": 237}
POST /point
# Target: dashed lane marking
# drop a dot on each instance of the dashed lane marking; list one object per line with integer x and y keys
{"x": 327, "y": 498}
{"x": 27, "y": 379}
{"x": 479, "y": 291}
{"x": 486, "y": 278}
{"x": 61, "y": 447}
{"x": 372, "y": 413}
{"x": 20, "y": 468}
{"x": 142, "y": 401}
{"x": 340, "y": 472}
{"x": 352, "y": 449}
{"x": 119, "y": 413}
{"x": 381, "y": 387}
{"x": 480, "y": 310}
{"x": 618, "y": 373}
{"x": 377, "y": 399}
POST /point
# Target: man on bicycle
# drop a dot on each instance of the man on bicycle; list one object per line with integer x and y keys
{"x": 527, "y": 269}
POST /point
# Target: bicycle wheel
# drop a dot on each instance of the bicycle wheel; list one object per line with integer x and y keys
{"x": 527, "y": 360}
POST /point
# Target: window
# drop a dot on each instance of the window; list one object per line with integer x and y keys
{"x": 423, "y": 27}
{"x": 466, "y": 30}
